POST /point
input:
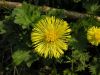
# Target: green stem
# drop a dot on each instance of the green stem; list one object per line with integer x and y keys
{"x": 72, "y": 67}
{"x": 72, "y": 64}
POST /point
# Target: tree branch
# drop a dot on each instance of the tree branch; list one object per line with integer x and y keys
{"x": 71, "y": 14}
{"x": 10, "y": 4}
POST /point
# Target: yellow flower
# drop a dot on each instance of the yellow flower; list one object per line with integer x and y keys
{"x": 50, "y": 37}
{"x": 93, "y": 35}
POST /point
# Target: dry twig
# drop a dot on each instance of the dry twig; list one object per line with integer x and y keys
{"x": 71, "y": 14}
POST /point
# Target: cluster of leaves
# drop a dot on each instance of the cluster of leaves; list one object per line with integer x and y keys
{"x": 15, "y": 37}
{"x": 26, "y": 15}
{"x": 15, "y": 33}
{"x": 81, "y": 55}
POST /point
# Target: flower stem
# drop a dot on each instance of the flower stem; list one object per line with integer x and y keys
{"x": 72, "y": 68}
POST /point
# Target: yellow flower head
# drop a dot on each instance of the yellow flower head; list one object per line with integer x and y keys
{"x": 93, "y": 35}
{"x": 50, "y": 37}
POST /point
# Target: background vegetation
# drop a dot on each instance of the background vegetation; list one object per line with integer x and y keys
{"x": 16, "y": 53}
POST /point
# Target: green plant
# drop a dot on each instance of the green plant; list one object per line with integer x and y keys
{"x": 16, "y": 29}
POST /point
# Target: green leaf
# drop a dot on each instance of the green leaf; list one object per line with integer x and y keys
{"x": 92, "y": 7}
{"x": 80, "y": 58}
{"x": 92, "y": 70}
{"x": 94, "y": 66}
{"x": 68, "y": 72}
{"x": 54, "y": 71}
{"x": 32, "y": 59}
{"x": 58, "y": 13}
{"x": 26, "y": 15}
{"x": 29, "y": 63}
{"x": 19, "y": 56}
{"x": 2, "y": 28}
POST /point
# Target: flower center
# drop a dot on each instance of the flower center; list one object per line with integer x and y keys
{"x": 51, "y": 36}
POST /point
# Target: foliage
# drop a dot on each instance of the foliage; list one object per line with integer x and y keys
{"x": 58, "y": 13}
{"x": 80, "y": 58}
{"x": 68, "y": 72}
{"x": 94, "y": 66}
{"x": 18, "y": 51}
{"x": 23, "y": 56}
{"x": 92, "y": 8}
{"x": 19, "y": 56}
{"x": 2, "y": 28}
{"x": 26, "y": 15}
